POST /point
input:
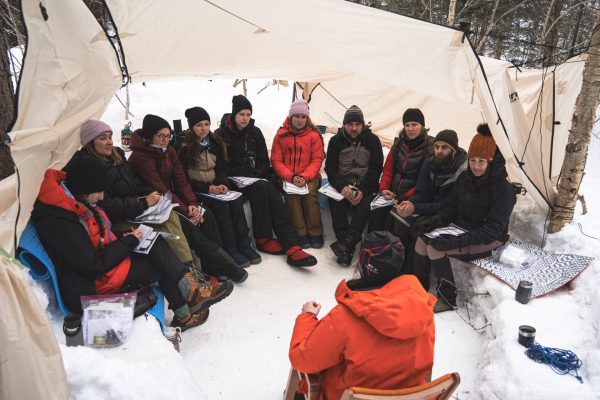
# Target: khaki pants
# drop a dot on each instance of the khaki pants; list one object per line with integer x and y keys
{"x": 304, "y": 211}
{"x": 179, "y": 246}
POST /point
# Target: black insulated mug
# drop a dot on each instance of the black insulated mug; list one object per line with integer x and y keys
{"x": 526, "y": 335}
{"x": 524, "y": 290}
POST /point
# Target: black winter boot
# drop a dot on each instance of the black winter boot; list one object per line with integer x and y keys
{"x": 446, "y": 288}
{"x": 422, "y": 269}
{"x": 349, "y": 244}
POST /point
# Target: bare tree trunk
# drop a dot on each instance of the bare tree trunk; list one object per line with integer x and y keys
{"x": 576, "y": 31}
{"x": 490, "y": 25}
{"x": 550, "y": 32}
{"x": 451, "y": 12}
{"x": 493, "y": 21}
{"x": 579, "y": 137}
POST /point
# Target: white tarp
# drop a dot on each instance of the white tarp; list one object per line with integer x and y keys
{"x": 380, "y": 61}
{"x": 68, "y": 77}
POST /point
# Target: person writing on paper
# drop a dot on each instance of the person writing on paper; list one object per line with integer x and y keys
{"x": 125, "y": 196}
{"x": 398, "y": 181}
{"x": 353, "y": 165}
{"x": 247, "y": 156}
{"x": 481, "y": 202}
{"x": 297, "y": 155}
{"x": 90, "y": 259}
{"x": 203, "y": 160}
{"x": 383, "y": 313}
{"x": 158, "y": 166}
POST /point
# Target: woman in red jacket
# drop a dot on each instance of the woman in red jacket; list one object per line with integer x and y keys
{"x": 380, "y": 335}
{"x": 297, "y": 155}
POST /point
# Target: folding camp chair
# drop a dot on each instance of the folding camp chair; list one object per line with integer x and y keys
{"x": 294, "y": 382}
{"x": 440, "y": 389}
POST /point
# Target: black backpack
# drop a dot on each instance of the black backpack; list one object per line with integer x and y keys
{"x": 381, "y": 258}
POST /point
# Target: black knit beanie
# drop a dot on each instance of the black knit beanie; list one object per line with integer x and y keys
{"x": 449, "y": 137}
{"x": 195, "y": 115}
{"x": 239, "y": 103}
{"x": 413, "y": 115}
{"x": 353, "y": 114}
{"x": 86, "y": 175}
{"x": 152, "y": 124}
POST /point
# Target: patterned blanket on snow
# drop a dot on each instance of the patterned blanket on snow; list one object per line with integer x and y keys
{"x": 547, "y": 272}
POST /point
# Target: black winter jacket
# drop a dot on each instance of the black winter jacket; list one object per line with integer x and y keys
{"x": 121, "y": 201}
{"x": 435, "y": 183}
{"x": 482, "y": 206}
{"x": 247, "y": 153}
{"x": 339, "y": 142}
{"x": 78, "y": 264}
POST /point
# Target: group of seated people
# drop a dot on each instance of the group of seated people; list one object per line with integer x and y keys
{"x": 83, "y": 214}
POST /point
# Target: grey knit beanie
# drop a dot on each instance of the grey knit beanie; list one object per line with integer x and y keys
{"x": 354, "y": 114}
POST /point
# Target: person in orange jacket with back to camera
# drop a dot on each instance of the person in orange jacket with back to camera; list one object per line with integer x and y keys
{"x": 381, "y": 333}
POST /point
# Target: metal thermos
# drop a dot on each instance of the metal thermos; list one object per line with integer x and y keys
{"x": 72, "y": 330}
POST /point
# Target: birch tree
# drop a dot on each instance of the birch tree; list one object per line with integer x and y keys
{"x": 579, "y": 137}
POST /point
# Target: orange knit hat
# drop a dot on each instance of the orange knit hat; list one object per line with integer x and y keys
{"x": 483, "y": 144}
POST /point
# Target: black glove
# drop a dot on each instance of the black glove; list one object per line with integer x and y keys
{"x": 445, "y": 243}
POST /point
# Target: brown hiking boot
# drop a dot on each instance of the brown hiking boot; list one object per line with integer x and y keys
{"x": 190, "y": 321}
{"x": 205, "y": 295}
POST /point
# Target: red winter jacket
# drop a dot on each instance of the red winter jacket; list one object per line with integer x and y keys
{"x": 381, "y": 338}
{"x": 161, "y": 170}
{"x": 114, "y": 262}
{"x": 297, "y": 153}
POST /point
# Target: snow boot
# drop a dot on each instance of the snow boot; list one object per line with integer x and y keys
{"x": 190, "y": 321}
{"x": 446, "y": 288}
{"x": 316, "y": 242}
{"x": 297, "y": 257}
{"x": 422, "y": 269}
{"x": 240, "y": 276}
{"x": 245, "y": 247}
{"x": 240, "y": 259}
{"x": 201, "y": 295}
{"x": 270, "y": 246}
{"x": 338, "y": 248}
{"x": 304, "y": 241}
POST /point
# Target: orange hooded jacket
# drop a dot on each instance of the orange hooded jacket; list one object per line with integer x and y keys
{"x": 297, "y": 153}
{"x": 381, "y": 338}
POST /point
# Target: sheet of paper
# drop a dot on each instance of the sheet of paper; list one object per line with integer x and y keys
{"x": 331, "y": 192}
{"x": 379, "y": 201}
{"x": 451, "y": 230}
{"x": 158, "y": 213}
{"x": 149, "y": 236}
{"x": 290, "y": 188}
{"x": 229, "y": 196}
{"x": 243, "y": 181}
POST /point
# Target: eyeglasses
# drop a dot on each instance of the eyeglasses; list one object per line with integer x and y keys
{"x": 162, "y": 136}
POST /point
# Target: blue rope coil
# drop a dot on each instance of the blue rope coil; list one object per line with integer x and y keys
{"x": 561, "y": 361}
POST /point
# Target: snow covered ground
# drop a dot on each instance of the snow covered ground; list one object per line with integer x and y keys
{"x": 241, "y": 351}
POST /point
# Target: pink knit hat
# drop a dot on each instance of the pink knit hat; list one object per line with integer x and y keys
{"x": 299, "y": 107}
{"x": 91, "y": 129}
